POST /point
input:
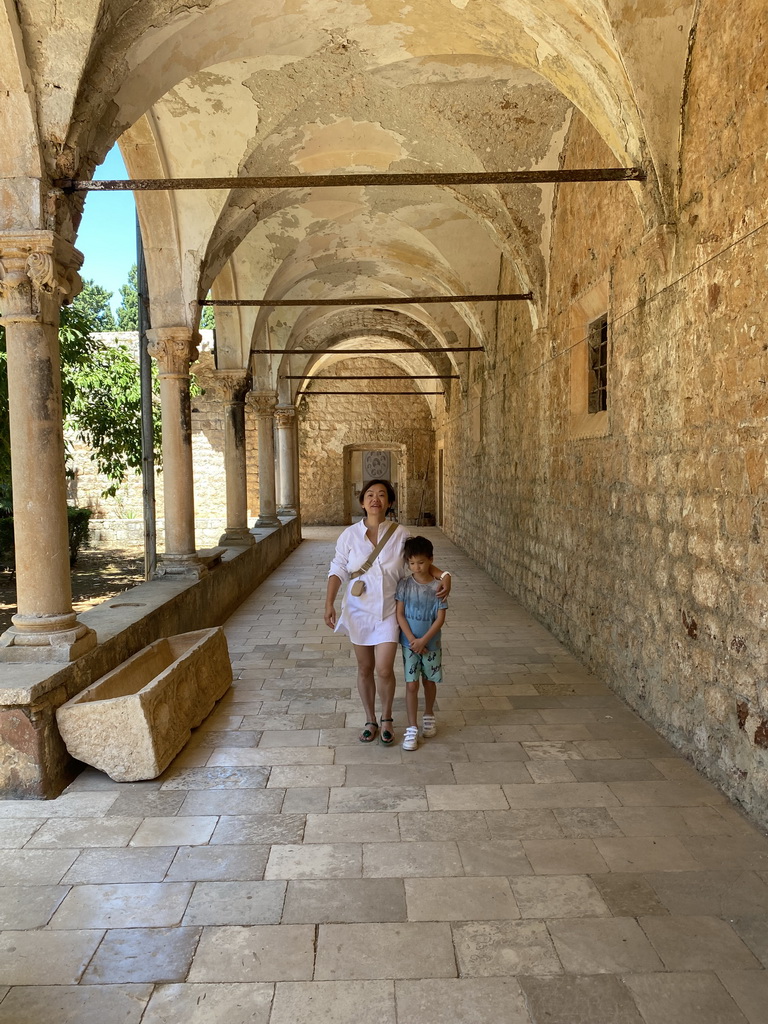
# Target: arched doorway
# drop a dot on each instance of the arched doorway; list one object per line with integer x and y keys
{"x": 375, "y": 460}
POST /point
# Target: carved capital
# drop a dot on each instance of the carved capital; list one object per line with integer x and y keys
{"x": 285, "y": 416}
{"x": 263, "y": 403}
{"x": 227, "y": 385}
{"x": 35, "y": 266}
{"x": 174, "y": 348}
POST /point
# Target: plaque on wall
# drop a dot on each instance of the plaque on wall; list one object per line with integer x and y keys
{"x": 376, "y": 465}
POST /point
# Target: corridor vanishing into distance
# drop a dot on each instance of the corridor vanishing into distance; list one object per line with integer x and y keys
{"x": 547, "y": 857}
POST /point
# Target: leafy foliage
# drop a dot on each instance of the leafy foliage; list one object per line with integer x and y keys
{"x": 93, "y": 303}
{"x": 101, "y": 397}
{"x": 128, "y": 310}
{"x": 208, "y": 319}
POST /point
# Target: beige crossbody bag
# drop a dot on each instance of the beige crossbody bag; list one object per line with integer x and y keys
{"x": 358, "y": 586}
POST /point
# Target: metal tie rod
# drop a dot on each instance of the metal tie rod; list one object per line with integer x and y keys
{"x": 381, "y": 394}
{"x": 360, "y": 351}
{"x": 386, "y": 300}
{"x": 539, "y": 177}
{"x": 370, "y": 376}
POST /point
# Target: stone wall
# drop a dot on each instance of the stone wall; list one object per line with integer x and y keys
{"x": 640, "y": 540}
{"x": 328, "y": 425}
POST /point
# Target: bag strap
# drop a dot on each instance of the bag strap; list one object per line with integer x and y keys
{"x": 372, "y": 557}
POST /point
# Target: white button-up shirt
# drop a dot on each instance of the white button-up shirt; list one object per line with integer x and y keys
{"x": 370, "y": 618}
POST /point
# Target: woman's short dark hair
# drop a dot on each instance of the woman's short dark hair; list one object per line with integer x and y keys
{"x": 384, "y": 483}
{"x": 416, "y": 546}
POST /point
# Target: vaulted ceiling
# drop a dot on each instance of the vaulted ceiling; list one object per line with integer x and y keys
{"x": 286, "y": 87}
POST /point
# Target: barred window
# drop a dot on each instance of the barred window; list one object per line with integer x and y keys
{"x": 597, "y": 345}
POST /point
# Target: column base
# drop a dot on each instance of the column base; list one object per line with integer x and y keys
{"x": 266, "y": 523}
{"x": 46, "y": 646}
{"x": 287, "y": 510}
{"x": 180, "y": 567}
{"x": 237, "y": 537}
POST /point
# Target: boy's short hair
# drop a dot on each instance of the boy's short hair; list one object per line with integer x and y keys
{"x": 418, "y": 546}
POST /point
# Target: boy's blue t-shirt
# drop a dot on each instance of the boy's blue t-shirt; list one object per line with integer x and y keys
{"x": 421, "y": 605}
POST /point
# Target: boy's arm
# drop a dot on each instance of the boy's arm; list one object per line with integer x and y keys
{"x": 419, "y": 645}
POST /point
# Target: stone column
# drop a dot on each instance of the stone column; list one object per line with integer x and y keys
{"x": 285, "y": 417}
{"x": 174, "y": 349}
{"x": 231, "y": 386}
{"x": 264, "y": 403}
{"x": 37, "y": 271}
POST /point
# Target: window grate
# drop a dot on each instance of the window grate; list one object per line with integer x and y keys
{"x": 597, "y": 345}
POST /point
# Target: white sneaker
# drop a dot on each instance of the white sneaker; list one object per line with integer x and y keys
{"x": 411, "y": 738}
{"x": 428, "y": 726}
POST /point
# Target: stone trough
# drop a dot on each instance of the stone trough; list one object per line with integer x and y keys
{"x": 134, "y": 720}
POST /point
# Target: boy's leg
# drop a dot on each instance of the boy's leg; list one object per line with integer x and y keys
{"x": 433, "y": 674}
{"x": 412, "y": 701}
{"x": 430, "y": 692}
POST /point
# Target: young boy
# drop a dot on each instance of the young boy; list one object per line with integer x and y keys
{"x": 420, "y": 615}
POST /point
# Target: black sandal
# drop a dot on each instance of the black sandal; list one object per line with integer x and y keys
{"x": 386, "y": 736}
{"x": 369, "y": 735}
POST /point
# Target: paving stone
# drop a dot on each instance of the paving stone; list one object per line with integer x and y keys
{"x": 665, "y": 794}
{"x": 370, "y": 951}
{"x": 215, "y": 778}
{"x": 209, "y": 1004}
{"x": 523, "y": 824}
{"x": 697, "y": 944}
{"x": 412, "y": 859}
{"x": 35, "y": 867}
{"x": 461, "y": 1000}
{"x": 582, "y": 794}
{"x": 349, "y": 900}
{"x": 558, "y": 896}
{"x": 127, "y": 905}
{"x": 749, "y": 990}
{"x": 120, "y": 865}
{"x": 318, "y": 860}
{"x": 352, "y": 828}
{"x": 72, "y": 1004}
{"x": 689, "y": 998}
{"x": 586, "y": 822}
{"x": 563, "y": 856}
{"x": 503, "y": 948}
{"x": 33, "y": 906}
{"x": 465, "y": 798}
{"x": 603, "y": 946}
{"x": 333, "y": 1002}
{"x": 460, "y": 899}
{"x": 286, "y": 776}
{"x": 749, "y": 852}
{"x": 86, "y": 804}
{"x": 569, "y": 999}
{"x": 497, "y": 751}
{"x": 44, "y": 957}
{"x": 132, "y": 955}
{"x": 753, "y": 930}
{"x": 178, "y": 831}
{"x": 640, "y": 854}
{"x": 232, "y": 801}
{"x": 628, "y": 895}
{"x": 494, "y": 857}
{"x": 254, "y": 953}
{"x": 236, "y": 902}
{"x": 218, "y": 863}
{"x": 547, "y": 772}
{"x": 259, "y": 828}
{"x": 439, "y": 825}
{"x": 306, "y": 800}
{"x": 716, "y": 893}
{"x": 146, "y": 804}
{"x": 14, "y": 834}
{"x": 402, "y": 798}
{"x": 400, "y": 775}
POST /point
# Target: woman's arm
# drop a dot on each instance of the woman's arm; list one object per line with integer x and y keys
{"x": 330, "y": 596}
{"x": 445, "y": 585}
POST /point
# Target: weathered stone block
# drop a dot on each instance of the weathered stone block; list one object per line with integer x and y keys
{"x": 133, "y": 721}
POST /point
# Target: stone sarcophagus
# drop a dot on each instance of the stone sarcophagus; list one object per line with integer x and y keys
{"x": 133, "y": 721}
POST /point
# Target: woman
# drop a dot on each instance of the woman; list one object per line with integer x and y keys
{"x": 369, "y": 619}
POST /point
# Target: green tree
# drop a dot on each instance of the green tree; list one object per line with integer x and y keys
{"x": 101, "y": 402}
{"x": 128, "y": 310}
{"x": 93, "y": 303}
{"x": 208, "y": 319}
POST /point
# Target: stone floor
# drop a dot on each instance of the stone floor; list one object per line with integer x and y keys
{"x": 545, "y": 858}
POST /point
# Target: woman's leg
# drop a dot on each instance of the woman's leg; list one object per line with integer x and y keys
{"x": 366, "y": 684}
{"x": 385, "y": 676}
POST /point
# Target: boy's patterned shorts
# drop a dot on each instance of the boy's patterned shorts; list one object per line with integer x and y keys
{"x": 429, "y": 665}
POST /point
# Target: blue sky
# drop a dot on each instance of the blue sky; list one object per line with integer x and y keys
{"x": 107, "y": 236}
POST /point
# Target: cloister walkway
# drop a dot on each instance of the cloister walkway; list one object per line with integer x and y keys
{"x": 545, "y": 858}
